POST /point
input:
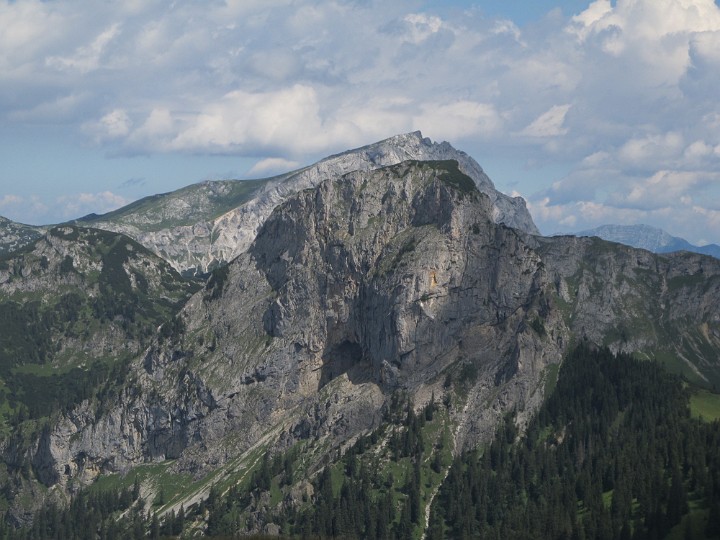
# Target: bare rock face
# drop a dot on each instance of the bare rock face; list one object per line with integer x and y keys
{"x": 15, "y": 236}
{"x": 665, "y": 307}
{"x": 371, "y": 282}
{"x": 200, "y": 246}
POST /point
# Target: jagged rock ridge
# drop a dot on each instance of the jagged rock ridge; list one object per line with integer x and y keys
{"x": 187, "y": 228}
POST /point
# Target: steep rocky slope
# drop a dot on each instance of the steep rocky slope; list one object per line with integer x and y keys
{"x": 75, "y": 307}
{"x": 199, "y": 227}
{"x": 14, "y": 236}
{"x": 370, "y": 284}
{"x": 665, "y": 307}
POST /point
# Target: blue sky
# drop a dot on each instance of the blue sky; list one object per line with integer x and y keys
{"x": 595, "y": 112}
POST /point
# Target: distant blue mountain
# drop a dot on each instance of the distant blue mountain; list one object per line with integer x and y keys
{"x": 650, "y": 238}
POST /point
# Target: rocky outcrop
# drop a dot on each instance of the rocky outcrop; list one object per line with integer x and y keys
{"x": 204, "y": 244}
{"x": 662, "y": 306}
{"x": 370, "y": 283}
{"x": 15, "y": 236}
{"x": 76, "y": 307}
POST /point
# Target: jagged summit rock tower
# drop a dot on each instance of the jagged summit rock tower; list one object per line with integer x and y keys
{"x": 199, "y": 244}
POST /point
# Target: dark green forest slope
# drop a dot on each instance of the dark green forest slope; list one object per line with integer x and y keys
{"x": 613, "y": 454}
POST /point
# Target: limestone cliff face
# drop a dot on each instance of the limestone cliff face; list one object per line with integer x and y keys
{"x": 205, "y": 243}
{"x": 368, "y": 283}
{"x": 371, "y": 282}
{"x": 665, "y": 307}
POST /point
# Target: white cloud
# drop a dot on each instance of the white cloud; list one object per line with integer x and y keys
{"x": 113, "y": 125}
{"x": 622, "y": 92}
{"x": 284, "y": 118}
{"x": 18, "y": 208}
{"x": 87, "y": 57}
{"x": 698, "y": 150}
{"x": 158, "y": 124}
{"x": 80, "y": 204}
{"x": 10, "y": 201}
{"x": 662, "y": 189}
{"x": 457, "y": 120}
{"x": 421, "y": 26}
{"x": 28, "y": 27}
{"x": 652, "y": 150}
{"x": 549, "y": 124}
{"x": 273, "y": 166}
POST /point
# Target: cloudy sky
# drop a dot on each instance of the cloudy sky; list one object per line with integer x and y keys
{"x": 595, "y": 112}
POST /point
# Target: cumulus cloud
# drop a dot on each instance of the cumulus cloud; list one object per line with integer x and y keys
{"x": 10, "y": 201}
{"x": 458, "y": 120}
{"x": 621, "y": 95}
{"x": 113, "y": 125}
{"x": 80, "y": 204}
{"x": 549, "y": 124}
{"x": 246, "y": 120}
{"x": 651, "y": 150}
{"x": 29, "y": 209}
{"x": 88, "y": 57}
{"x": 273, "y": 166}
{"x": 663, "y": 189}
{"x": 421, "y": 26}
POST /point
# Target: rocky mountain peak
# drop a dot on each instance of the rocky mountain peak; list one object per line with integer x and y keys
{"x": 369, "y": 288}
{"x": 216, "y": 239}
{"x": 370, "y": 282}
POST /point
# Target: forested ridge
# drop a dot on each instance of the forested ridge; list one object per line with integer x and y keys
{"x": 613, "y": 453}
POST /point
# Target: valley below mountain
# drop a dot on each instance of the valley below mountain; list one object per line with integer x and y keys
{"x": 360, "y": 328}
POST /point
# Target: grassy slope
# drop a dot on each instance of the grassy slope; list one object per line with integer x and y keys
{"x": 154, "y": 206}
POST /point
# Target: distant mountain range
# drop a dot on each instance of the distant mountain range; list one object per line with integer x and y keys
{"x": 650, "y": 238}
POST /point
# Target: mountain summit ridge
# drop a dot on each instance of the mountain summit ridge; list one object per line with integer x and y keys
{"x": 214, "y": 240}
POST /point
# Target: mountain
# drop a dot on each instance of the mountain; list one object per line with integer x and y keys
{"x": 15, "y": 236}
{"x": 650, "y": 238}
{"x": 357, "y": 288}
{"x": 381, "y": 328}
{"x": 372, "y": 295}
{"x": 205, "y": 225}
{"x": 76, "y": 306}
